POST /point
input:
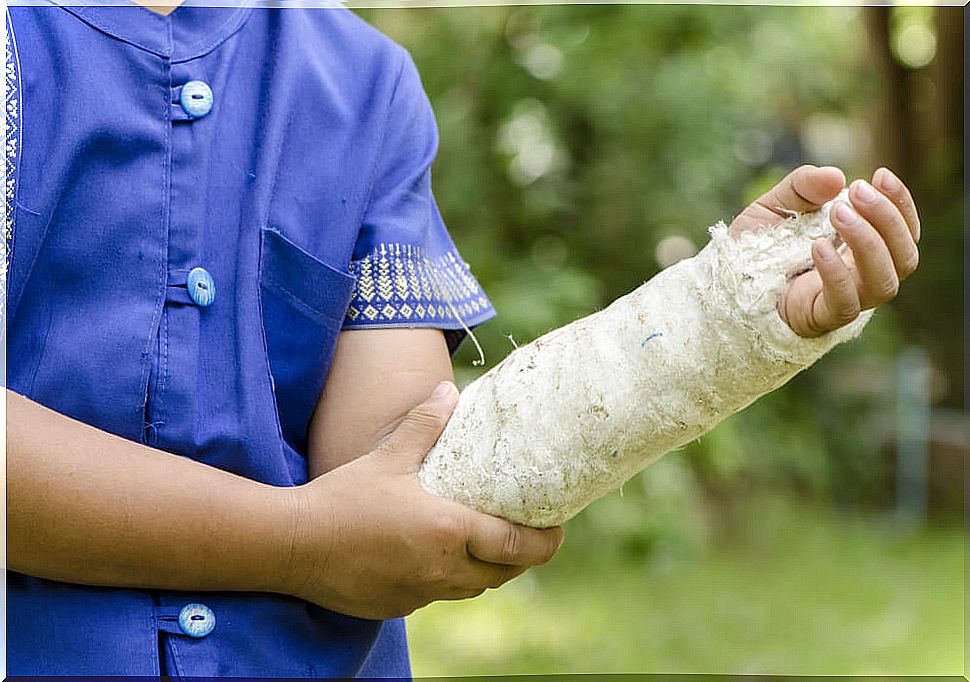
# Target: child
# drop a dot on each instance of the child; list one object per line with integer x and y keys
{"x": 213, "y": 211}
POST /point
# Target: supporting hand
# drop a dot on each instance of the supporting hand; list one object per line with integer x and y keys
{"x": 369, "y": 541}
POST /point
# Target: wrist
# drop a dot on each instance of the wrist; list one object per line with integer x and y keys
{"x": 301, "y": 537}
{"x": 263, "y": 530}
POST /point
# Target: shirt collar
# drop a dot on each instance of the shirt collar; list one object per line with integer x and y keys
{"x": 189, "y": 32}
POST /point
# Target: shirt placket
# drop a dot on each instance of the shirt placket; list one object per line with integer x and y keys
{"x": 191, "y": 289}
{"x": 191, "y": 294}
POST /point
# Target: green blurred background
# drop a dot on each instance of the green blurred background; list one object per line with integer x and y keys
{"x": 583, "y": 148}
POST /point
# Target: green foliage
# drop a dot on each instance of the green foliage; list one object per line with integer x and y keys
{"x": 613, "y": 126}
{"x": 786, "y": 590}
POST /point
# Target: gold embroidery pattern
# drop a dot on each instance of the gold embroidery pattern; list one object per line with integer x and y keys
{"x": 400, "y": 284}
{"x": 11, "y": 152}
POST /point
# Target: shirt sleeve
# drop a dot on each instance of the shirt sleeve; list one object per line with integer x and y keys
{"x": 409, "y": 273}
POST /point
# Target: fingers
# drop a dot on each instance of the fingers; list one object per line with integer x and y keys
{"x": 464, "y": 581}
{"x": 885, "y": 216}
{"x": 837, "y": 303}
{"x": 804, "y": 189}
{"x": 877, "y": 281}
{"x": 896, "y": 191}
{"x": 420, "y": 429}
{"x": 880, "y": 226}
{"x": 499, "y": 542}
{"x": 481, "y": 575}
{"x": 500, "y": 551}
{"x": 485, "y": 552}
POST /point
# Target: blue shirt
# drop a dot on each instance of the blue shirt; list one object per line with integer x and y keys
{"x": 200, "y": 203}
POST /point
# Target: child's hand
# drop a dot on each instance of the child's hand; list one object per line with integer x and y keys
{"x": 369, "y": 541}
{"x": 881, "y": 234}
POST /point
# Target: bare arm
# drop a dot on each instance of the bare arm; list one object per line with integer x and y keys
{"x": 88, "y": 507}
{"x": 376, "y": 376}
{"x": 365, "y": 539}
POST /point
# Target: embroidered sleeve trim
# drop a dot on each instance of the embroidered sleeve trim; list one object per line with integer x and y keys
{"x": 11, "y": 153}
{"x": 400, "y": 285}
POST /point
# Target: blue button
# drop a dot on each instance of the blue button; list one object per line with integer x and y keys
{"x": 196, "y": 620}
{"x": 202, "y": 289}
{"x": 196, "y": 98}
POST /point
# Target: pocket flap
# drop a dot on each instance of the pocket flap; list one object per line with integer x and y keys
{"x": 313, "y": 286}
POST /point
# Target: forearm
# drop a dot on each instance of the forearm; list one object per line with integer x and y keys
{"x": 85, "y": 506}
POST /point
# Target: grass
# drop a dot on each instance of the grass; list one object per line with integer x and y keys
{"x": 783, "y": 589}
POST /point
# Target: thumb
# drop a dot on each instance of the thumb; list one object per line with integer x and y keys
{"x": 420, "y": 428}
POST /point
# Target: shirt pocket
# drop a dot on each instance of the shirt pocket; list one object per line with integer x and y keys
{"x": 303, "y": 303}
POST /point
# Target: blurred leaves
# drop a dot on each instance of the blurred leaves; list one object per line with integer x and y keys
{"x": 794, "y": 590}
{"x": 610, "y": 125}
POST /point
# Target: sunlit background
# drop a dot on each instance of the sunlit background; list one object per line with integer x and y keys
{"x": 583, "y": 148}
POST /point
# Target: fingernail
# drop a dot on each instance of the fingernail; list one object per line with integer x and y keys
{"x": 865, "y": 191}
{"x": 889, "y": 180}
{"x": 845, "y": 213}
{"x": 443, "y": 389}
{"x": 825, "y": 249}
